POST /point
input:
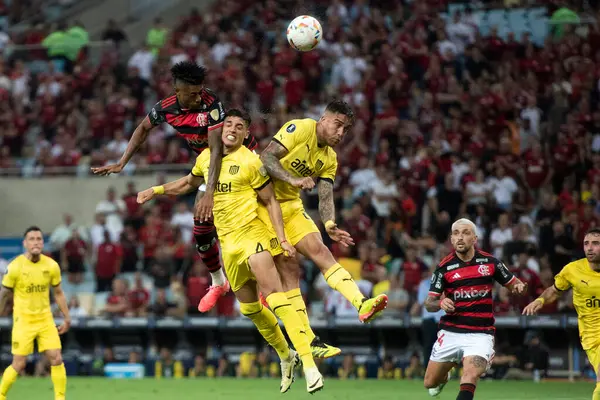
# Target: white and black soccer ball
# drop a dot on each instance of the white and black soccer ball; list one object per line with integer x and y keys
{"x": 304, "y": 33}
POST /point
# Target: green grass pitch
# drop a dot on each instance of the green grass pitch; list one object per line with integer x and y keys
{"x": 266, "y": 389}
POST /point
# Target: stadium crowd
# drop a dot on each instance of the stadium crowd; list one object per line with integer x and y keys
{"x": 449, "y": 123}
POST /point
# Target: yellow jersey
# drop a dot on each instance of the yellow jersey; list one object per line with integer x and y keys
{"x": 305, "y": 157}
{"x": 31, "y": 283}
{"x": 235, "y": 197}
{"x": 585, "y": 283}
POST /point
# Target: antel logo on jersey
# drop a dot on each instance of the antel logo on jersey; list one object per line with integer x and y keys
{"x": 451, "y": 267}
{"x": 202, "y": 119}
{"x": 468, "y": 294}
{"x": 484, "y": 270}
{"x": 477, "y": 260}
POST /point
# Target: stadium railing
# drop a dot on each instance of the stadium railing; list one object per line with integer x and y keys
{"x": 399, "y": 337}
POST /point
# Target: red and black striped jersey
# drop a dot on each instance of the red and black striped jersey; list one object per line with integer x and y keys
{"x": 193, "y": 125}
{"x": 469, "y": 285}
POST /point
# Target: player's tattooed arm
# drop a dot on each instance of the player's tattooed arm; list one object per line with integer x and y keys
{"x": 270, "y": 158}
{"x": 5, "y": 295}
{"x": 432, "y": 304}
{"x": 326, "y": 203}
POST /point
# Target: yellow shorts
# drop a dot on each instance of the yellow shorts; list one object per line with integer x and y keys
{"x": 238, "y": 246}
{"x": 297, "y": 223}
{"x": 25, "y": 331}
{"x": 593, "y": 355}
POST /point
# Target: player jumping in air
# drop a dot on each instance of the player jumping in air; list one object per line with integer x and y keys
{"x": 29, "y": 278}
{"x": 583, "y": 276}
{"x": 249, "y": 245}
{"x": 197, "y": 115}
{"x": 301, "y": 152}
{"x": 462, "y": 286}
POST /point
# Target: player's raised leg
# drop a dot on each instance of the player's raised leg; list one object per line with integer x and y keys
{"x": 436, "y": 376}
{"x": 339, "y": 279}
{"x": 264, "y": 269}
{"x": 207, "y": 245}
{"x": 266, "y": 323}
{"x": 473, "y": 367}
{"x": 289, "y": 271}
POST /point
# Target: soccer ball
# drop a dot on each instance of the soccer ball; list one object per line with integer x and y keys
{"x": 304, "y": 33}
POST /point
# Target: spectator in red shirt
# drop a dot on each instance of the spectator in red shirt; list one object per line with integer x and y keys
{"x": 372, "y": 270}
{"x": 528, "y": 277}
{"x": 412, "y": 270}
{"x": 197, "y": 285}
{"x": 135, "y": 212}
{"x": 117, "y": 304}
{"x": 109, "y": 258}
{"x": 139, "y": 297}
{"x": 73, "y": 257}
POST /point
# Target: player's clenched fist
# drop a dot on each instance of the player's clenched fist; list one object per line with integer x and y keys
{"x": 533, "y": 307}
{"x": 447, "y": 305}
{"x": 303, "y": 183}
{"x": 145, "y": 196}
{"x": 288, "y": 249}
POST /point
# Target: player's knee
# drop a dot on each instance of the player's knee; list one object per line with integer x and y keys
{"x": 19, "y": 364}
{"x": 205, "y": 237}
{"x": 429, "y": 382}
{"x": 250, "y": 309}
{"x": 55, "y": 357}
{"x": 322, "y": 256}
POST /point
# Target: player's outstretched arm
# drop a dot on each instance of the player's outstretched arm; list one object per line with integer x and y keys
{"x": 61, "y": 301}
{"x": 549, "y": 295}
{"x": 270, "y": 158}
{"x": 327, "y": 213}
{"x": 175, "y": 188}
{"x": 137, "y": 140}
{"x": 267, "y": 196}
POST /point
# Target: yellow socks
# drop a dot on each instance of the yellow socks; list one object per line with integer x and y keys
{"x": 59, "y": 380}
{"x": 339, "y": 279}
{"x": 281, "y": 306}
{"x": 267, "y": 325}
{"x": 8, "y": 378}
{"x": 596, "y": 395}
{"x": 295, "y": 298}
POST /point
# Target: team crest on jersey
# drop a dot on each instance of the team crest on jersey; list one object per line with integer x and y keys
{"x": 214, "y": 114}
{"x": 318, "y": 165}
{"x": 202, "y": 119}
{"x": 484, "y": 270}
{"x": 234, "y": 169}
{"x": 291, "y": 128}
{"x": 274, "y": 243}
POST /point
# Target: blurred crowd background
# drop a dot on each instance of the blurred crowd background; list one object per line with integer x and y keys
{"x": 488, "y": 111}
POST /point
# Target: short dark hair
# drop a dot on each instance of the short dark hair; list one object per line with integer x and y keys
{"x": 234, "y": 112}
{"x": 32, "y": 228}
{"x": 593, "y": 231}
{"x": 188, "y": 72}
{"x": 340, "y": 107}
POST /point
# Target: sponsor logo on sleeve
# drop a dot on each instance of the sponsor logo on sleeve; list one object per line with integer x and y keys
{"x": 214, "y": 114}
{"x": 291, "y": 128}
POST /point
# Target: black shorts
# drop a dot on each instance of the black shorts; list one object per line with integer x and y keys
{"x": 76, "y": 266}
